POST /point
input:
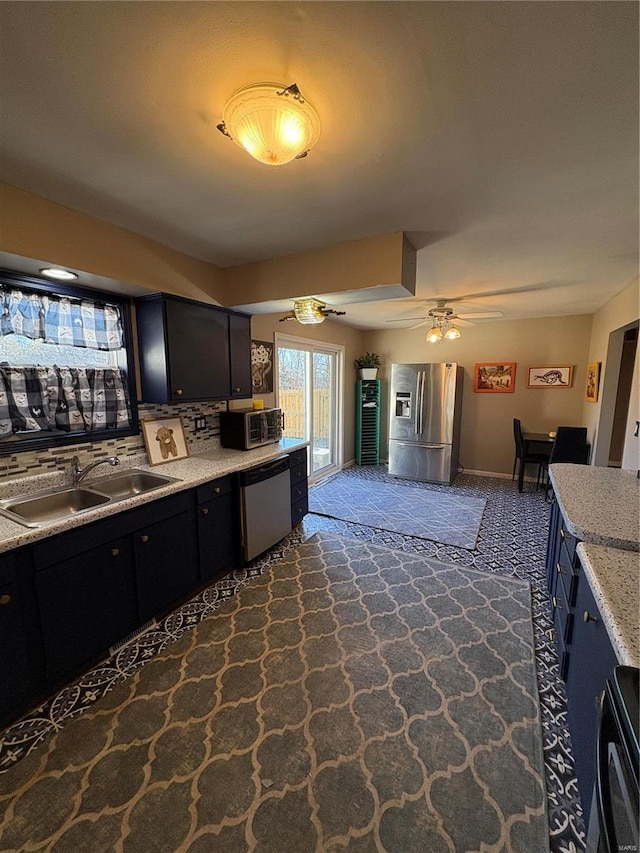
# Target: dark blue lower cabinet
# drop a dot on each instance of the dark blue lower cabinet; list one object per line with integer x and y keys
{"x": 591, "y": 661}
{"x": 166, "y": 561}
{"x": 86, "y": 603}
{"x": 21, "y": 664}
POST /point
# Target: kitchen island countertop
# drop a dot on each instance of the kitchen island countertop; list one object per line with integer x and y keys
{"x": 191, "y": 472}
{"x": 599, "y": 505}
{"x": 613, "y": 576}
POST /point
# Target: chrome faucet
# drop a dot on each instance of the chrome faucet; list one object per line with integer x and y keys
{"x": 78, "y": 473}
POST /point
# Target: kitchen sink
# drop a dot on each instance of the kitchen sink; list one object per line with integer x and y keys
{"x": 130, "y": 483}
{"x": 51, "y": 506}
{"x": 58, "y": 504}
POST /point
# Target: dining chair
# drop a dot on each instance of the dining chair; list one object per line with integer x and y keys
{"x": 526, "y": 457}
{"x": 570, "y": 445}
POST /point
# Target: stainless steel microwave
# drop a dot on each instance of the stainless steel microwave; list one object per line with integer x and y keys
{"x": 244, "y": 429}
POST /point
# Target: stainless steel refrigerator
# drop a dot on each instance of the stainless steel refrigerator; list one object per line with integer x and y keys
{"x": 424, "y": 423}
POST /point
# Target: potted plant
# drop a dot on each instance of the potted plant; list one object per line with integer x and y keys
{"x": 367, "y": 365}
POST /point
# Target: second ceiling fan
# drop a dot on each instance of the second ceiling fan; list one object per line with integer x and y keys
{"x": 444, "y": 320}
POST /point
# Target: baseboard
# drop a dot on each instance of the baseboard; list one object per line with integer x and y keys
{"x": 500, "y": 475}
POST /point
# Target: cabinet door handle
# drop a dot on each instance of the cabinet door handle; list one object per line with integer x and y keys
{"x": 587, "y": 617}
{"x": 217, "y": 490}
{"x": 205, "y": 510}
{"x": 556, "y": 603}
{"x": 563, "y": 532}
{"x": 144, "y": 538}
{"x": 236, "y": 390}
{"x": 115, "y": 552}
{"x": 179, "y": 392}
{"x": 5, "y": 598}
{"x": 559, "y": 568}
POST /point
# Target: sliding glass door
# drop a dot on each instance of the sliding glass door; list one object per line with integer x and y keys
{"x": 309, "y": 381}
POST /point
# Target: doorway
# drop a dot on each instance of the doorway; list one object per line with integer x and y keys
{"x": 614, "y": 436}
{"x": 309, "y": 392}
{"x": 623, "y": 394}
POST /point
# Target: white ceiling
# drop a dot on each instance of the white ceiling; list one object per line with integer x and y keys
{"x": 501, "y": 137}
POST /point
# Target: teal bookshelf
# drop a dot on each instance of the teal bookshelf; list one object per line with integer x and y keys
{"x": 368, "y": 422}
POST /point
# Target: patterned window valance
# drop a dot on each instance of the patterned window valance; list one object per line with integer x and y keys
{"x": 70, "y": 399}
{"x": 60, "y": 320}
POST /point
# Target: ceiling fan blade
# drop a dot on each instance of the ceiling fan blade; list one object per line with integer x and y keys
{"x": 424, "y": 322}
{"x": 480, "y": 315}
{"x": 459, "y": 321}
{"x": 406, "y": 319}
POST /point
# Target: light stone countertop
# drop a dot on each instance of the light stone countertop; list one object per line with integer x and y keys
{"x": 614, "y": 578}
{"x": 599, "y": 505}
{"x": 191, "y": 472}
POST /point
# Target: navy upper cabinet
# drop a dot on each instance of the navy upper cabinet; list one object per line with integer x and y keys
{"x": 240, "y": 355}
{"x": 191, "y": 351}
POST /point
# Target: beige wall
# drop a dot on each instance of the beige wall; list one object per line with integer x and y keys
{"x": 33, "y": 227}
{"x": 487, "y": 419}
{"x": 264, "y": 327}
{"x": 384, "y": 261}
{"x": 617, "y": 314}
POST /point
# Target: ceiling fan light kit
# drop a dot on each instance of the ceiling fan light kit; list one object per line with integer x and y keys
{"x": 272, "y": 122}
{"x": 310, "y": 311}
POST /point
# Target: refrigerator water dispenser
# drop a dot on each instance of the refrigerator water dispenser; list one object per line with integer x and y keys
{"x": 403, "y": 404}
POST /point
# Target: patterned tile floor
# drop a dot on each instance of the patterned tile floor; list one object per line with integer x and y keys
{"x": 512, "y": 541}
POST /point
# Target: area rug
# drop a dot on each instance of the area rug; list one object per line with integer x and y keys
{"x": 352, "y": 698}
{"x": 450, "y": 519}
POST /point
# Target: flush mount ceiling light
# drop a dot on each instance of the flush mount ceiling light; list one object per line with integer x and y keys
{"x": 58, "y": 273}
{"x": 309, "y": 311}
{"x": 274, "y": 123}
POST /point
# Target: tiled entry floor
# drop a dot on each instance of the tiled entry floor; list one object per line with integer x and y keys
{"x": 512, "y": 541}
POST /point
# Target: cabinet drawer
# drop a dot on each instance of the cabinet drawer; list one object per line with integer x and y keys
{"x": 168, "y": 507}
{"x": 214, "y": 489}
{"x": 562, "y": 614}
{"x": 298, "y": 492}
{"x": 568, "y": 574}
{"x": 568, "y": 539}
{"x": 299, "y": 510}
{"x": 298, "y": 457}
{"x": 298, "y": 474}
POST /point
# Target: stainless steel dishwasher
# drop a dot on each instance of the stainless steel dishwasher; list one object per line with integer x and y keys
{"x": 265, "y": 500}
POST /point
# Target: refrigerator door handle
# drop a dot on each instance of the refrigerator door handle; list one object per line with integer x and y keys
{"x": 420, "y": 402}
{"x": 416, "y": 444}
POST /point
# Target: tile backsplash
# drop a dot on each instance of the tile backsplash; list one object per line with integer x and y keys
{"x": 39, "y": 461}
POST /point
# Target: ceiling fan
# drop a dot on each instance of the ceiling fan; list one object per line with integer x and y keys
{"x": 442, "y": 316}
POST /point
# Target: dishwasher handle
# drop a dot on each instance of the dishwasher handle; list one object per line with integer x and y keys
{"x": 263, "y": 472}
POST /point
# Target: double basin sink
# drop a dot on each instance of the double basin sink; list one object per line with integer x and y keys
{"x": 41, "y": 508}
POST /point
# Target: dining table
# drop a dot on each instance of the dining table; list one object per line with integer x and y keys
{"x": 535, "y": 442}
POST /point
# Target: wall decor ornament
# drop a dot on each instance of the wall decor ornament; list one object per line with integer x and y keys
{"x": 262, "y": 367}
{"x": 494, "y": 377}
{"x": 593, "y": 381}
{"x": 164, "y": 439}
{"x": 550, "y": 376}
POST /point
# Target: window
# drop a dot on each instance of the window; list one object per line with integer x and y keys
{"x": 65, "y": 357}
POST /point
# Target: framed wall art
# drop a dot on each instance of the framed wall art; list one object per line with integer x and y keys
{"x": 164, "y": 439}
{"x": 494, "y": 377}
{"x": 550, "y": 376}
{"x": 593, "y": 381}
{"x": 262, "y": 367}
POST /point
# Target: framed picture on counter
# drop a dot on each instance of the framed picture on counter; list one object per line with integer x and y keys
{"x": 550, "y": 376}
{"x": 164, "y": 439}
{"x": 495, "y": 378}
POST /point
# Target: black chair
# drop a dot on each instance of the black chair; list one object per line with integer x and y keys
{"x": 570, "y": 445}
{"x": 527, "y": 458}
